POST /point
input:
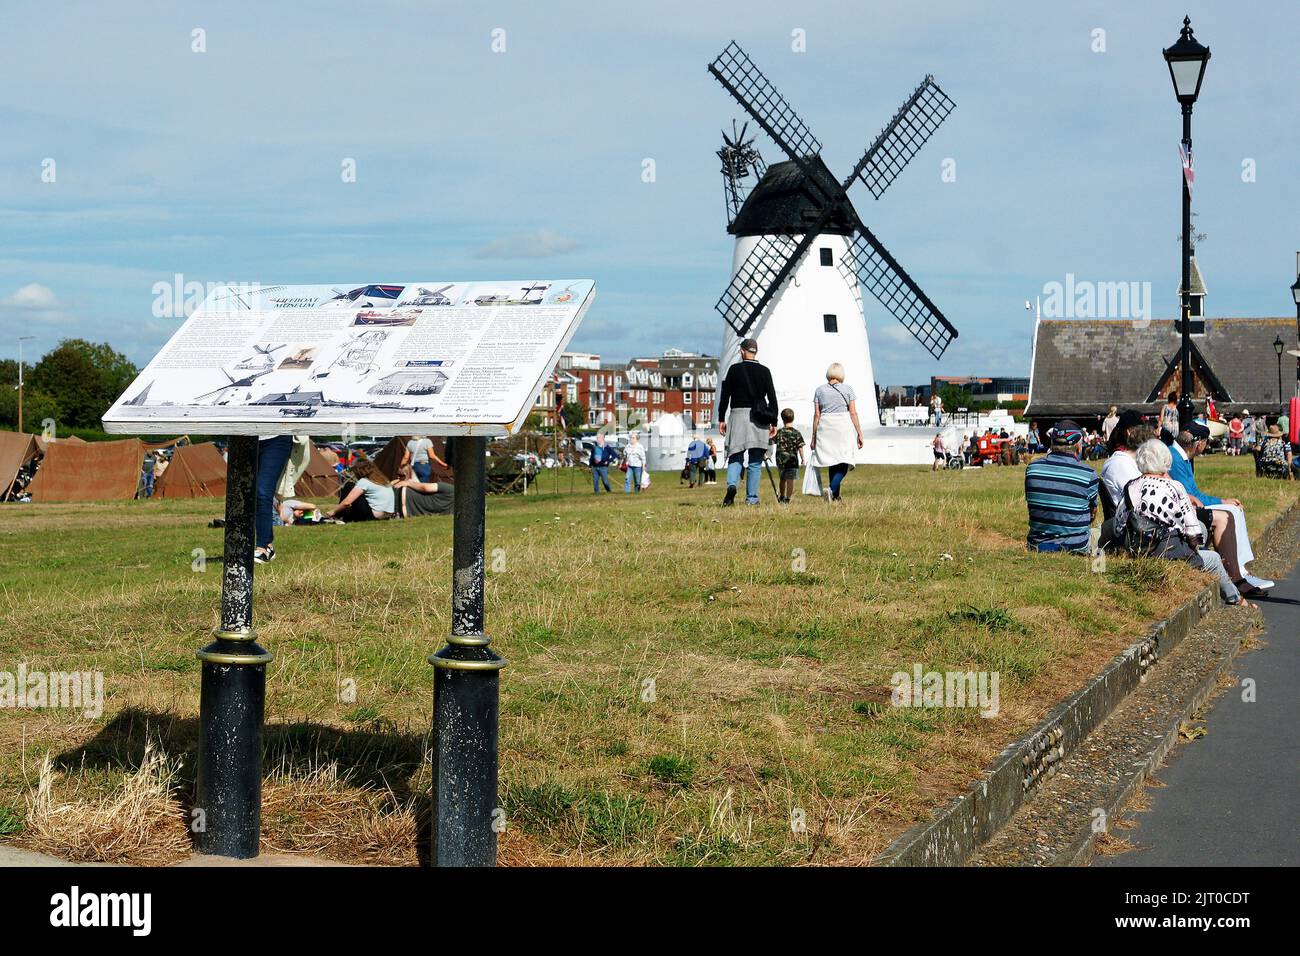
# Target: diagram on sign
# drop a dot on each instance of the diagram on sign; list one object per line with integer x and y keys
{"x": 526, "y": 295}
{"x": 430, "y": 297}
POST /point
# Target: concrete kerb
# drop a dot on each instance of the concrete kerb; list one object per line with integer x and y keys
{"x": 956, "y": 831}
{"x": 1084, "y": 845}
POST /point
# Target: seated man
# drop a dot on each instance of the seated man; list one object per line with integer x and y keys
{"x": 1120, "y": 468}
{"x": 1229, "y": 535}
{"x": 1061, "y": 493}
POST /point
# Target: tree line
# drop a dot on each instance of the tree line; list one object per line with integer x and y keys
{"x": 74, "y": 384}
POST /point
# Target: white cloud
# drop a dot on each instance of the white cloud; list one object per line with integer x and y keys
{"x": 32, "y": 296}
{"x": 538, "y": 244}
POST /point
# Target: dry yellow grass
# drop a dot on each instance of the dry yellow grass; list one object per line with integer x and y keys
{"x": 672, "y": 698}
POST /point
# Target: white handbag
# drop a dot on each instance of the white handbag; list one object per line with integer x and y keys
{"x": 812, "y": 481}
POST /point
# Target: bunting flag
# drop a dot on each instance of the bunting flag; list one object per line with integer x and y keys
{"x": 1189, "y": 171}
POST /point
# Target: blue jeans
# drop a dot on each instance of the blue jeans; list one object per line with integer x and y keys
{"x": 633, "y": 482}
{"x": 837, "y": 473}
{"x": 423, "y": 470}
{"x": 599, "y": 476}
{"x": 148, "y": 484}
{"x": 272, "y": 454}
{"x": 734, "y": 463}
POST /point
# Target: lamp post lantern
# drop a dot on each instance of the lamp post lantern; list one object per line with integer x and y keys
{"x": 1187, "y": 59}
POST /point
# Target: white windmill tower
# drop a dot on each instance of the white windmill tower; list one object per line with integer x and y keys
{"x": 802, "y": 252}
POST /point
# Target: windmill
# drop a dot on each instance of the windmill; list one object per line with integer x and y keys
{"x": 806, "y": 311}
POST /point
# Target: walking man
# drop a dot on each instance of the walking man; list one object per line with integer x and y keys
{"x": 697, "y": 453}
{"x": 747, "y": 410}
{"x": 601, "y": 456}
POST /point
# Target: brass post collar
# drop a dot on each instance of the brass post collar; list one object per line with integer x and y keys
{"x": 461, "y": 658}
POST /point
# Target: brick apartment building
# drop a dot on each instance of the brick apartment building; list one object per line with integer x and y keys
{"x": 637, "y": 392}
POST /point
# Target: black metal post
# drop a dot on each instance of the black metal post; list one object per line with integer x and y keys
{"x": 1281, "y": 404}
{"x": 232, "y": 700}
{"x": 1186, "y": 409}
{"x": 1297, "y": 358}
{"x": 466, "y": 688}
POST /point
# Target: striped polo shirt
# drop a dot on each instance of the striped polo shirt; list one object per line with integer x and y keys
{"x": 1061, "y": 492}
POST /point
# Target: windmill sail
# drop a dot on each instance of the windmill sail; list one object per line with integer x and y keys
{"x": 882, "y": 276}
{"x": 759, "y": 98}
{"x": 753, "y": 285}
{"x": 903, "y": 137}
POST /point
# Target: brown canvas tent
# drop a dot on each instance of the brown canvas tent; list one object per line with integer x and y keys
{"x": 42, "y": 441}
{"x": 89, "y": 471}
{"x": 16, "y": 450}
{"x": 196, "y": 471}
{"x": 169, "y": 443}
{"x": 389, "y": 458}
{"x": 319, "y": 480}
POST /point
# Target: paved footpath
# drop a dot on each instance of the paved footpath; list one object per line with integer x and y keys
{"x": 1232, "y": 797}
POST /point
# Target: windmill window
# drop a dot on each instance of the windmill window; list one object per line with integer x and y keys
{"x": 830, "y": 323}
{"x": 826, "y": 256}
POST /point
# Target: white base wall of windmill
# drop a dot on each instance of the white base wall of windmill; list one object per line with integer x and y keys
{"x": 794, "y": 344}
{"x": 886, "y": 445}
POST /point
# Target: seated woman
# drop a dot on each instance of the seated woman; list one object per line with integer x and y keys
{"x": 1162, "y": 520}
{"x": 370, "y": 497}
{"x": 1273, "y": 460}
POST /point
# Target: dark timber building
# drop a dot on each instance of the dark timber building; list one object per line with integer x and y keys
{"x": 1083, "y": 366}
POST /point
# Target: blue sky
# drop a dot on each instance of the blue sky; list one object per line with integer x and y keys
{"x": 225, "y": 165}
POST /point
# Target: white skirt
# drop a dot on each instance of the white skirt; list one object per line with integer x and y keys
{"x": 837, "y": 441}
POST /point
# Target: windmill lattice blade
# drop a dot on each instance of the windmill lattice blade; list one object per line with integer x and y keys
{"x": 885, "y": 279}
{"x": 756, "y": 281}
{"x": 759, "y": 98}
{"x": 903, "y": 137}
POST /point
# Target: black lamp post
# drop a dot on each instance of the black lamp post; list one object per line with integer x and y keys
{"x": 1187, "y": 60}
{"x": 1278, "y": 346}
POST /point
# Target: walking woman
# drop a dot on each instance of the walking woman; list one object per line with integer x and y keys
{"x": 836, "y": 433}
{"x": 747, "y": 412}
{"x": 634, "y": 455}
{"x": 272, "y": 455}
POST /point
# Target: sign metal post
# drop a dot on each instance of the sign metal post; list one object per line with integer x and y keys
{"x": 466, "y": 687}
{"x": 232, "y": 701}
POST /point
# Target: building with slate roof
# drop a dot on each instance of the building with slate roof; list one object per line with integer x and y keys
{"x": 1083, "y": 366}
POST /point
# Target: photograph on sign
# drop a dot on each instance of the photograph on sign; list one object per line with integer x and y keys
{"x": 446, "y": 357}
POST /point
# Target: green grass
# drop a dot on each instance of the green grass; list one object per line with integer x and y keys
{"x": 682, "y": 680}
